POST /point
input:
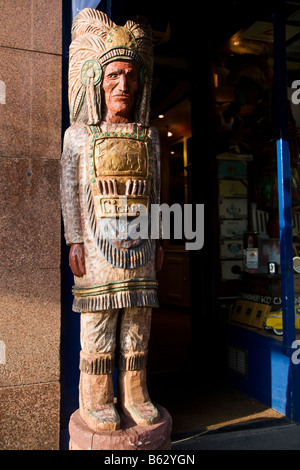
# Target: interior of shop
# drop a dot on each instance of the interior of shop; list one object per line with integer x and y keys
{"x": 241, "y": 259}
{"x": 214, "y": 106}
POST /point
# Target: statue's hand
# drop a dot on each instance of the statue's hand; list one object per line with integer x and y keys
{"x": 77, "y": 259}
{"x": 159, "y": 256}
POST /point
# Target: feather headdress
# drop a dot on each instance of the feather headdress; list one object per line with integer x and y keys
{"x": 96, "y": 41}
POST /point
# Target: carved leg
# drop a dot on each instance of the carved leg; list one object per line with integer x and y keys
{"x": 132, "y": 391}
{"x": 96, "y": 393}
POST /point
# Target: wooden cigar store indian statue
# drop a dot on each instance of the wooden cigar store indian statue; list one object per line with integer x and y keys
{"x": 110, "y": 173}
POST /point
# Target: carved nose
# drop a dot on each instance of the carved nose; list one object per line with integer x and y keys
{"x": 122, "y": 83}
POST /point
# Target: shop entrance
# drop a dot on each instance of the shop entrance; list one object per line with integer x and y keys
{"x": 213, "y": 103}
{"x": 231, "y": 166}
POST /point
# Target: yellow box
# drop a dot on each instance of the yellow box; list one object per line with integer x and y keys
{"x": 238, "y": 311}
{"x": 249, "y": 311}
{"x": 261, "y": 311}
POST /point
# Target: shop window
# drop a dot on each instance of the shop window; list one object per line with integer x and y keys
{"x": 250, "y": 281}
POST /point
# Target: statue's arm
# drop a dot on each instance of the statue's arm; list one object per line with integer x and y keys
{"x": 69, "y": 187}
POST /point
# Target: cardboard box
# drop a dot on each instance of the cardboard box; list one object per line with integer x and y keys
{"x": 259, "y": 314}
{"x": 238, "y": 311}
{"x": 232, "y": 208}
{"x": 231, "y": 249}
{"x": 233, "y": 228}
{"x": 231, "y": 269}
{"x": 233, "y": 188}
{"x": 249, "y": 312}
{"x": 232, "y": 169}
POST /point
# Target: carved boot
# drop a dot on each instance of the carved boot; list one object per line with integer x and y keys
{"x": 96, "y": 392}
{"x": 133, "y": 394}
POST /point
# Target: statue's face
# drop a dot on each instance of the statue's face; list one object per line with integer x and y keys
{"x": 120, "y": 83}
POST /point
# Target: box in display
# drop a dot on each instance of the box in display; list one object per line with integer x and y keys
{"x": 232, "y": 208}
{"x": 232, "y": 188}
{"x": 232, "y": 169}
{"x": 231, "y": 248}
{"x": 231, "y": 269}
{"x": 260, "y": 312}
{"x": 238, "y": 311}
{"x": 233, "y": 228}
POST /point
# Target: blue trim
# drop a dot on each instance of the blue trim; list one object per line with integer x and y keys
{"x": 286, "y": 241}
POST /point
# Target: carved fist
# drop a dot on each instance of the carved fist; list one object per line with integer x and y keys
{"x": 77, "y": 259}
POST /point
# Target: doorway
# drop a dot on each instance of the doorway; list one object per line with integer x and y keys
{"x": 186, "y": 368}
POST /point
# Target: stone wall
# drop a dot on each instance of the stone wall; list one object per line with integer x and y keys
{"x": 30, "y": 149}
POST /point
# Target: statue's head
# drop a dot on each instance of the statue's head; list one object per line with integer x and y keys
{"x": 120, "y": 84}
{"x": 110, "y": 69}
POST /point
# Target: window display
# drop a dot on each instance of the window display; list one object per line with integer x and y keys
{"x": 246, "y": 160}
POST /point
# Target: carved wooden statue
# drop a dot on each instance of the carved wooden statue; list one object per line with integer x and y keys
{"x": 110, "y": 169}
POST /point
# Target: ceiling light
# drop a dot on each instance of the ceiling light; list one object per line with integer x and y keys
{"x": 161, "y": 116}
{"x": 170, "y": 134}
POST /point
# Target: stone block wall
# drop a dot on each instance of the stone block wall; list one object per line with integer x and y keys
{"x": 30, "y": 149}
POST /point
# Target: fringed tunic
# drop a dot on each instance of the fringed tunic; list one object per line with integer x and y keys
{"x": 120, "y": 272}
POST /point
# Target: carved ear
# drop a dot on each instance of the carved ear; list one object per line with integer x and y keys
{"x": 89, "y": 21}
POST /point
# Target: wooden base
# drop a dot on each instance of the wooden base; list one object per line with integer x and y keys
{"x": 129, "y": 437}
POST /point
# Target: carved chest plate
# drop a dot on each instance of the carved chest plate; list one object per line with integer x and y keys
{"x": 120, "y": 174}
{"x": 119, "y": 167}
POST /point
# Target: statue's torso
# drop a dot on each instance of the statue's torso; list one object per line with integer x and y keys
{"x": 116, "y": 185}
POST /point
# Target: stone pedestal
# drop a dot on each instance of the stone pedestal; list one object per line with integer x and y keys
{"x": 129, "y": 437}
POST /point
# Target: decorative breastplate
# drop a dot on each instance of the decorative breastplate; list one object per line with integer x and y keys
{"x": 120, "y": 190}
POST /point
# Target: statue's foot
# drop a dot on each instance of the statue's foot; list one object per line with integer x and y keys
{"x": 96, "y": 402}
{"x": 101, "y": 418}
{"x": 134, "y": 399}
{"x": 143, "y": 414}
